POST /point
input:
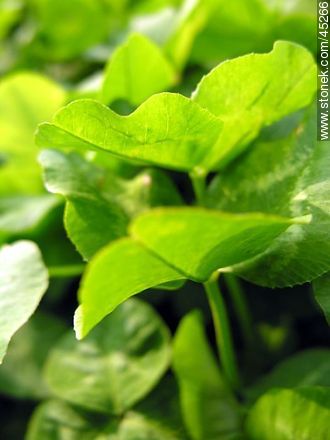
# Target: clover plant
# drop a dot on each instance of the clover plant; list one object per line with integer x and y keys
{"x": 100, "y": 204}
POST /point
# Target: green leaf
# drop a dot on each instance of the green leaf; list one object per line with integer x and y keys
{"x": 135, "y": 71}
{"x": 167, "y": 129}
{"x": 57, "y": 420}
{"x": 120, "y": 270}
{"x": 54, "y": 419}
{"x": 22, "y": 107}
{"x": 92, "y": 217}
{"x": 23, "y": 281}
{"x": 99, "y": 203}
{"x": 21, "y": 371}
{"x": 304, "y": 369}
{"x": 184, "y": 27}
{"x": 161, "y": 408}
{"x": 198, "y": 241}
{"x": 290, "y": 177}
{"x": 137, "y": 426}
{"x": 252, "y": 91}
{"x": 61, "y": 27}
{"x": 253, "y": 29}
{"x": 9, "y": 14}
{"x": 117, "y": 365}
{"x": 321, "y": 289}
{"x": 21, "y": 214}
{"x": 209, "y": 410}
{"x": 290, "y": 415}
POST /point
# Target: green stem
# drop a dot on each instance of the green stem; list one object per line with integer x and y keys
{"x": 198, "y": 180}
{"x": 222, "y": 331}
{"x": 241, "y": 308}
{"x": 73, "y": 270}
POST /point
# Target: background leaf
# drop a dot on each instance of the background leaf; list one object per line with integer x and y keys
{"x": 21, "y": 214}
{"x": 290, "y": 415}
{"x": 208, "y": 407}
{"x": 303, "y": 369}
{"x": 136, "y": 70}
{"x": 26, "y": 99}
{"x": 54, "y": 419}
{"x": 21, "y": 371}
{"x": 321, "y": 289}
{"x": 116, "y": 365}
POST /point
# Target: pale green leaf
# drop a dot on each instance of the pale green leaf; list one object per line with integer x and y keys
{"x": 135, "y": 71}
{"x": 304, "y": 369}
{"x": 116, "y": 365}
{"x": 321, "y": 289}
{"x": 119, "y": 271}
{"x": 252, "y": 91}
{"x": 99, "y": 203}
{"x": 23, "y": 105}
{"x": 208, "y": 407}
{"x": 167, "y": 129}
{"x": 23, "y": 281}
{"x": 290, "y": 415}
{"x": 198, "y": 241}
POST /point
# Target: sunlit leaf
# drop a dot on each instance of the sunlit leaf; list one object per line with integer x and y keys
{"x": 167, "y": 129}
{"x": 119, "y": 271}
{"x": 248, "y": 93}
{"x": 197, "y": 241}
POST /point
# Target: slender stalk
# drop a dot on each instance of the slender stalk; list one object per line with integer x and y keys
{"x": 73, "y": 270}
{"x": 222, "y": 331}
{"x": 241, "y": 308}
{"x": 217, "y": 305}
{"x": 198, "y": 180}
